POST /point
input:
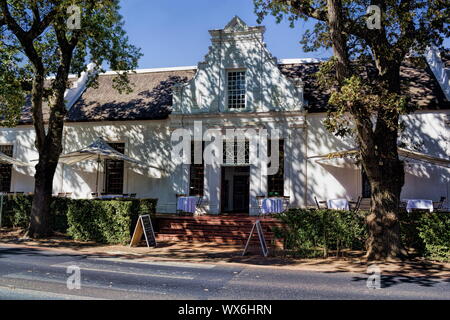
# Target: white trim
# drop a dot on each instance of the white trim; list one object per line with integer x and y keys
{"x": 301, "y": 60}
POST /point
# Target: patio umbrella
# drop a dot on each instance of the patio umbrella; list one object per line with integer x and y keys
{"x": 8, "y": 160}
{"x": 404, "y": 154}
{"x": 99, "y": 150}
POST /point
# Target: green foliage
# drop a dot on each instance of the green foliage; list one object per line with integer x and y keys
{"x": 87, "y": 220}
{"x": 311, "y": 233}
{"x": 17, "y": 210}
{"x": 108, "y": 222}
{"x": 434, "y": 230}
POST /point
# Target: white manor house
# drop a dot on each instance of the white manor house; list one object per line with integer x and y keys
{"x": 238, "y": 85}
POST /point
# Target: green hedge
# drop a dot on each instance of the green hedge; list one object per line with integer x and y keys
{"x": 88, "y": 220}
{"x": 312, "y": 233}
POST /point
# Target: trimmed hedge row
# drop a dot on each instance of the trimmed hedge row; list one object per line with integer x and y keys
{"x": 312, "y": 233}
{"x": 109, "y": 222}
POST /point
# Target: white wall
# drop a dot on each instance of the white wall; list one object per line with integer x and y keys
{"x": 425, "y": 132}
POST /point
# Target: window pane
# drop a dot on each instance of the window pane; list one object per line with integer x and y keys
{"x": 276, "y": 182}
{"x": 6, "y": 169}
{"x": 114, "y": 172}
{"x": 236, "y": 89}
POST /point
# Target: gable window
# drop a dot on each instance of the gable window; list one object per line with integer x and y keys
{"x": 236, "y": 89}
{"x": 114, "y": 172}
{"x": 197, "y": 173}
{"x": 275, "y": 183}
{"x": 6, "y": 169}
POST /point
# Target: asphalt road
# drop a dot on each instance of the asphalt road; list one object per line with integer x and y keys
{"x": 29, "y": 274}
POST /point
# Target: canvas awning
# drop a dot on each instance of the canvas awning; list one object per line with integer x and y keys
{"x": 348, "y": 157}
{"x": 8, "y": 160}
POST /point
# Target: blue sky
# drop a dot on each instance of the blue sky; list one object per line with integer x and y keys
{"x": 175, "y": 33}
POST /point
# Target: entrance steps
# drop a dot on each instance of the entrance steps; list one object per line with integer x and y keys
{"x": 233, "y": 230}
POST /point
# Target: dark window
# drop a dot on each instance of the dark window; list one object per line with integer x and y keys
{"x": 197, "y": 173}
{"x": 366, "y": 189}
{"x": 275, "y": 183}
{"x": 236, "y": 89}
{"x": 6, "y": 169}
{"x": 114, "y": 172}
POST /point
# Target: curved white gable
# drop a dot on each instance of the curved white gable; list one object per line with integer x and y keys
{"x": 238, "y": 46}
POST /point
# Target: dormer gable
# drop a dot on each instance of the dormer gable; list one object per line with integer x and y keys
{"x": 238, "y": 74}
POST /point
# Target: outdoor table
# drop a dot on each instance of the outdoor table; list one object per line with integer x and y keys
{"x": 419, "y": 204}
{"x": 338, "y": 204}
{"x": 187, "y": 204}
{"x": 110, "y": 196}
{"x": 272, "y": 205}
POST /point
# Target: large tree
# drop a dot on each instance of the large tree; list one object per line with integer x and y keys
{"x": 42, "y": 42}
{"x": 365, "y": 33}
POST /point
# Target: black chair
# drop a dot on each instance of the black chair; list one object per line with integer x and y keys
{"x": 438, "y": 206}
{"x": 319, "y": 203}
{"x": 355, "y": 205}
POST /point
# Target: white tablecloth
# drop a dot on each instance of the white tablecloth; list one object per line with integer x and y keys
{"x": 187, "y": 204}
{"x": 338, "y": 204}
{"x": 110, "y": 196}
{"x": 272, "y": 205}
{"x": 419, "y": 204}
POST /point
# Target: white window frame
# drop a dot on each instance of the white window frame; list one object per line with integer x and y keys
{"x": 245, "y": 108}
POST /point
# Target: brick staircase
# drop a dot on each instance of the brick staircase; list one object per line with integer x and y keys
{"x": 233, "y": 230}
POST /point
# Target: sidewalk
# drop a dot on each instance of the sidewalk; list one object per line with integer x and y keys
{"x": 225, "y": 254}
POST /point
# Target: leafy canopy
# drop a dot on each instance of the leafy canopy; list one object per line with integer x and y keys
{"x": 406, "y": 27}
{"x": 50, "y": 25}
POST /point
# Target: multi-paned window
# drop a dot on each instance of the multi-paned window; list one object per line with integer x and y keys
{"x": 6, "y": 169}
{"x": 114, "y": 172}
{"x": 236, "y": 89}
{"x": 275, "y": 183}
{"x": 197, "y": 172}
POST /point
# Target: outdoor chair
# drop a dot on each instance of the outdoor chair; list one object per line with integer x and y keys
{"x": 319, "y": 203}
{"x": 438, "y": 206}
{"x": 133, "y": 195}
{"x": 354, "y": 206}
{"x": 286, "y": 203}
{"x": 259, "y": 200}
{"x": 94, "y": 195}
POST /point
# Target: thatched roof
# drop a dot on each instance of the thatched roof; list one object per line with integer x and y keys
{"x": 151, "y": 98}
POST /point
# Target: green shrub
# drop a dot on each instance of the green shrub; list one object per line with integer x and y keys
{"x": 434, "y": 230}
{"x": 110, "y": 222}
{"x": 311, "y": 233}
{"x": 89, "y": 220}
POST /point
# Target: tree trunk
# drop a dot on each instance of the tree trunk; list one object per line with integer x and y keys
{"x": 40, "y": 212}
{"x": 384, "y": 229}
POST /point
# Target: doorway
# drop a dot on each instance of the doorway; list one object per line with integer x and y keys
{"x": 235, "y": 189}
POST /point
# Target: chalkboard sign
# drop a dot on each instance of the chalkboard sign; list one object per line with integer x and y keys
{"x": 144, "y": 227}
{"x": 262, "y": 239}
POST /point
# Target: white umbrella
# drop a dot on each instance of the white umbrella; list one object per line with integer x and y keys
{"x": 8, "y": 160}
{"x": 99, "y": 150}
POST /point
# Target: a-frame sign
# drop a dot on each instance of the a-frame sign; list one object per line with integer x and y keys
{"x": 144, "y": 227}
{"x": 262, "y": 239}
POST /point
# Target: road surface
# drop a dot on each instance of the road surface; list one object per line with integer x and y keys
{"x": 30, "y": 274}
